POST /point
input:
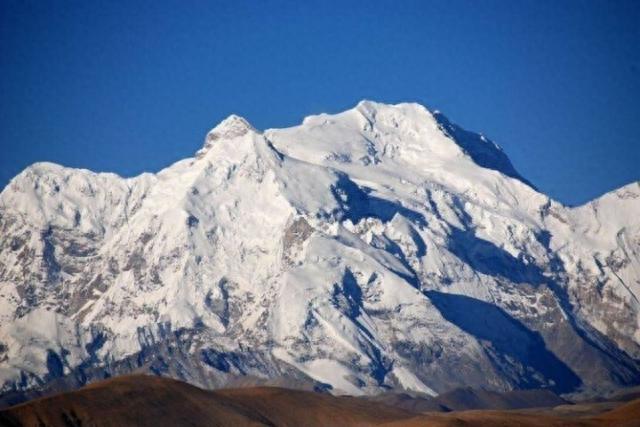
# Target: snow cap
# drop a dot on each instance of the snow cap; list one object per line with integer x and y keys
{"x": 232, "y": 127}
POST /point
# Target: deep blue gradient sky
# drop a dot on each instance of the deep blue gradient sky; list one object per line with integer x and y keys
{"x": 133, "y": 86}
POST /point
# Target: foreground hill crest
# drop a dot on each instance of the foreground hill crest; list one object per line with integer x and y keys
{"x": 380, "y": 248}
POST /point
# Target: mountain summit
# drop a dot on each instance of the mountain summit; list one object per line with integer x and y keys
{"x": 381, "y": 248}
{"x": 230, "y": 128}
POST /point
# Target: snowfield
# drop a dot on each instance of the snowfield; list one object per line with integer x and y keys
{"x": 382, "y": 248}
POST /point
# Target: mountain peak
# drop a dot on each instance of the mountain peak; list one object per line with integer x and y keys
{"x": 232, "y": 127}
{"x": 370, "y": 250}
{"x": 368, "y": 104}
{"x": 372, "y": 108}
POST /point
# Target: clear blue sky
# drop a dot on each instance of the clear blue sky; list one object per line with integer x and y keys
{"x": 132, "y": 86}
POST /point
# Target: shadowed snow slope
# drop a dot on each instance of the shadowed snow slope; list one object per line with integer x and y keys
{"x": 379, "y": 248}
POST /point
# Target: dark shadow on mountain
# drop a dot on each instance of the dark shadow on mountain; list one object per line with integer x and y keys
{"x": 347, "y": 297}
{"x": 482, "y": 151}
{"x": 506, "y": 340}
{"x": 625, "y": 370}
{"x": 487, "y": 258}
{"x": 358, "y": 203}
{"x": 222, "y": 360}
{"x": 394, "y": 249}
{"x": 421, "y": 246}
{"x": 55, "y": 366}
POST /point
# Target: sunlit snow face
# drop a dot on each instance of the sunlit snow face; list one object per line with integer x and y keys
{"x": 382, "y": 247}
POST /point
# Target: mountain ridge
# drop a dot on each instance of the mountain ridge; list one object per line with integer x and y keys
{"x": 234, "y": 118}
{"x": 356, "y": 252}
{"x": 162, "y": 401}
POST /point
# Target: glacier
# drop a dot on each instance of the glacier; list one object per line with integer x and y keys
{"x": 380, "y": 249}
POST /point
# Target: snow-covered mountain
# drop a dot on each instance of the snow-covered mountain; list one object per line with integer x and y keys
{"x": 380, "y": 248}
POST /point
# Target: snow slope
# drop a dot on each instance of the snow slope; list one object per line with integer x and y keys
{"x": 380, "y": 248}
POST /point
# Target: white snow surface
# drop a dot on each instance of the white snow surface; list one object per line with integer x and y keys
{"x": 337, "y": 247}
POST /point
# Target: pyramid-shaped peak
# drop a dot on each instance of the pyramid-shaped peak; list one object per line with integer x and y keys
{"x": 232, "y": 127}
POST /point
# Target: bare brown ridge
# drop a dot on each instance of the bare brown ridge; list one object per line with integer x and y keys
{"x": 139, "y": 400}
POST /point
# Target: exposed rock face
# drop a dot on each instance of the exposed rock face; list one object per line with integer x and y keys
{"x": 380, "y": 248}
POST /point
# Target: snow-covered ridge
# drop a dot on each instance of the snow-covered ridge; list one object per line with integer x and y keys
{"x": 381, "y": 247}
